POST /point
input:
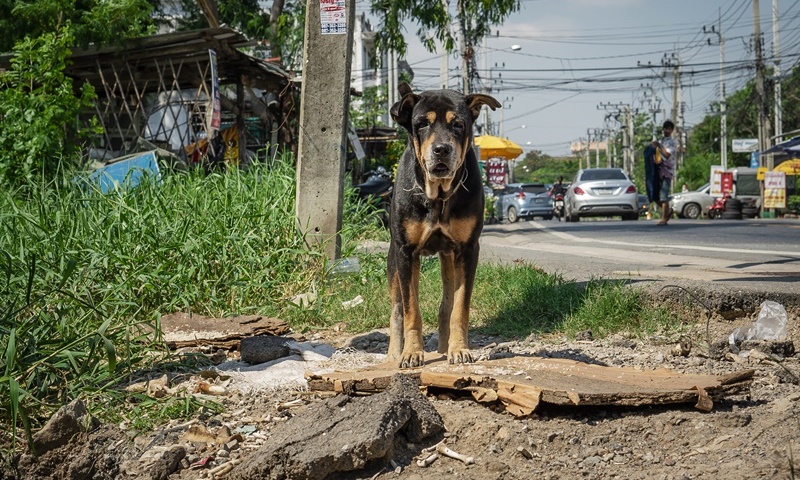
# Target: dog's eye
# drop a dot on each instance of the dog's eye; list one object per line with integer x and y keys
{"x": 458, "y": 125}
{"x": 422, "y": 123}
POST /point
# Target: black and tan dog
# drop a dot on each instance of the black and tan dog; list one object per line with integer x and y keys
{"x": 437, "y": 207}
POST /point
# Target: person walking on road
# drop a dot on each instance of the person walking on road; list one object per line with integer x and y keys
{"x": 665, "y": 168}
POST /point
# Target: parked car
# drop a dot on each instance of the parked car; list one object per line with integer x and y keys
{"x": 692, "y": 204}
{"x": 524, "y": 200}
{"x": 644, "y": 204}
{"x": 601, "y": 192}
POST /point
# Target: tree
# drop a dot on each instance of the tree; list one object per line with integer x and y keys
{"x": 40, "y": 109}
{"x": 91, "y": 21}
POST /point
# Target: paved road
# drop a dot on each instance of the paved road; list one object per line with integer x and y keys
{"x": 758, "y": 255}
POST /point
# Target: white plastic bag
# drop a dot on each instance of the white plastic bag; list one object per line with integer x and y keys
{"x": 770, "y": 325}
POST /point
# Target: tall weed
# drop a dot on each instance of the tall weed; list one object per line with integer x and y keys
{"x": 85, "y": 276}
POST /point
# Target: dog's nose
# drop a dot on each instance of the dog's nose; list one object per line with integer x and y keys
{"x": 442, "y": 149}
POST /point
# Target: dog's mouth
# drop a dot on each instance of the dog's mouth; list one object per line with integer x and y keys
{"x": 440, "y": 170}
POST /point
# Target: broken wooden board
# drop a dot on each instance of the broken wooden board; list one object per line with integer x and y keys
{"x": 522, "y": 383}
{"x": 186, "y": 330}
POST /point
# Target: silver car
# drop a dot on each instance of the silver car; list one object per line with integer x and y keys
{"x": 601, "y": 192}
{"x": 692, "y": 204}
{"x": 524, "y": 200}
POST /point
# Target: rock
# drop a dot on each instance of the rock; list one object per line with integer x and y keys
{"x": 369, "y": 342}
{"x": 584, "y": 336}
{"x": 781, "y": 348}
{"x": 166, "y": 463}
{"x": 591, "y": 461}
{"x": 263, "y": 348}
{"x": 68, "y": 421}
{"x": 344, "y": 434}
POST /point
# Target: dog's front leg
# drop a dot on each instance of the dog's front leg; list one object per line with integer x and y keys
{"x": 447, "y": 263}
{"x": 396, "y": 318}
{"x": 408, "y": 275}
{"x": 464, "y": 266}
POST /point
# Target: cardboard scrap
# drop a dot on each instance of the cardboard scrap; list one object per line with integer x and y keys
{"x": 522, "y": 383}
{"x": 187, "y": 330}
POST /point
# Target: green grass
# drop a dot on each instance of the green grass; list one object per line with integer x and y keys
{"x": 85, "y": 278}
{"x": 508, "y": 300}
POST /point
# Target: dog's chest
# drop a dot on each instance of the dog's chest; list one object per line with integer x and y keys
{"x": 434, "y": 234}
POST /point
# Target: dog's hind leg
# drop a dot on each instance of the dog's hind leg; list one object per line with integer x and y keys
{"x": 446, "y": 261}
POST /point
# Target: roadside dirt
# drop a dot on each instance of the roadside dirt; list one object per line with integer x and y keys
{"x": 756, "y": 435}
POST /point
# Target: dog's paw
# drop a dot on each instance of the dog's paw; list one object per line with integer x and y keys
{"x": 413, "y": 359}
{"x": 459, "y": 356}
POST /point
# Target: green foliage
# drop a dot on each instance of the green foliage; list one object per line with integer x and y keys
{"x": 289, "y": 34}
{"x": 39, "y": 111}
{"x": 793, "y": 203}
{"x": 536, "y": 166}
{"x": 91, "y": 22}
{"x": 435, "y": 22}
{"x": 85, "y": 277}
{"x": 366, "y": 112}
{"x": 696, "y": 170}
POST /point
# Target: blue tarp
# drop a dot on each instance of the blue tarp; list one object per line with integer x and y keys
{"x": 126, "y": 171}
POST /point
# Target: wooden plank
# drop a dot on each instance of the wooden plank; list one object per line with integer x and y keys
{"x": 182, "y": 329}
{"x": 522, "y": 383}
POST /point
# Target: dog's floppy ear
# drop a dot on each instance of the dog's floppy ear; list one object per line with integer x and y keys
{"x": 476, "y": 100}
{"x": 401, "y": 111}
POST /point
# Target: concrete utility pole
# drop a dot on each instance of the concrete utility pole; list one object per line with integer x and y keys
{"x": 776, "y": 65}
{"x": 444, "y": 68}
{"x": 764, "y": 127}
{"x": 677, "y": 104}
{"x": 466, "y": 49}
{"x": 626, "y": 113}
{"x": 322, "y": 151}
{"x": 723, "y": 115}
{"x": 655, "y": 107}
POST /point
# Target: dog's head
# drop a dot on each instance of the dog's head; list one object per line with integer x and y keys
{"x": 439, "y": 125}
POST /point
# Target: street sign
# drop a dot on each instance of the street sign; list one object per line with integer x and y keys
{"x": 716, "y": 181}
{"x": 774, "y": 190}
{"x": 741, "y": 145}
{"x": 754, "y": 159}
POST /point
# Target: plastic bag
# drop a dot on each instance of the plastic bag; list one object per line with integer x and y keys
{"x": 770, "y": 325}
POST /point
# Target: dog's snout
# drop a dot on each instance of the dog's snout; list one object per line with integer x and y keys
{"x": 442, "y": 149}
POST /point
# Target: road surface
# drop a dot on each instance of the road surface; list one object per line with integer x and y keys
{"x": 756, "y": 255}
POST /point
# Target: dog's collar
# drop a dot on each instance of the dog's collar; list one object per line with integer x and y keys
{"x": 458, "y": 185}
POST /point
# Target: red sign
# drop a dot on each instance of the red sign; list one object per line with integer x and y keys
{"x": 726, "y": 182}
{"x": 496, "y": 172}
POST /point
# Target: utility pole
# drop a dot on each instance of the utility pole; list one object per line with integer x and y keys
{"x": 598, "y": 137}
{"x": 444, "y": 66}
{"x": 723, "y": 115}
{"x": 466, "y": 48}
{"x": 588, "y": 147}
{"x": 322, "y": 150}
{"x": 763, "y": 120}
{"x": 626, "y": 113}
{"x": 677, "y": 104}
{"x": 776, "y": 62}
{"x": 655, "y": 107}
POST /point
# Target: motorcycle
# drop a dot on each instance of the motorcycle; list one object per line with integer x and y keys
{"x": 725, "y": 207}
{"x": 718, "y": 207}
{"x": 376, "y": 189}
{"x": 558, "y": 206}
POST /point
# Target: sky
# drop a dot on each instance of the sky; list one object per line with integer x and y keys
{"x": 575, "y": 61}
